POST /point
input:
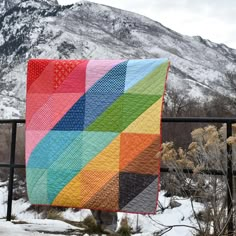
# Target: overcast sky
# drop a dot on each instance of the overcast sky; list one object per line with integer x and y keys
{"x": 211, "y": 19}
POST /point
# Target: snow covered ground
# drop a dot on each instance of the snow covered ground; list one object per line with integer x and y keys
{"x": 30, "y": 223}
{"x": 34, "y": 228}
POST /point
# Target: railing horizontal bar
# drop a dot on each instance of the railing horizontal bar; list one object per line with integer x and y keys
{"x": 12, "y": 121}
{"x": 190, "y": 171}
{"x": 200, "y": 119}
{"x": 164, "y": 119}
{"x": 14, "y": 165}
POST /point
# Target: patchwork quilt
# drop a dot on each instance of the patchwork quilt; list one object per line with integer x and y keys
{"x": 93, "y": 128}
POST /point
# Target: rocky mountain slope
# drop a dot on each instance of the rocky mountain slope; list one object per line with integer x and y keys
{"x": 44, "y": 29}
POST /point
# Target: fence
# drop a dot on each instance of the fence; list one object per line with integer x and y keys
{"x": 230, "y": 173}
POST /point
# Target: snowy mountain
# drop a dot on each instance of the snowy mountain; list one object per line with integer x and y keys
{"x": 44, "y": 29}
{"x": 6, "y": 5}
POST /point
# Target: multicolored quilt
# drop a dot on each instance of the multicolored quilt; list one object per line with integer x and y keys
{"x": 92, "y": 133}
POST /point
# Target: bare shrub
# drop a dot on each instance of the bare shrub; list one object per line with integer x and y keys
{"x": 206, "y": 152}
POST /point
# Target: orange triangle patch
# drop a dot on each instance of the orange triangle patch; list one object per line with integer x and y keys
{"x": 107, "y": 197}
{"x": 146, "y": 162}
{"x": 131, "y": 145}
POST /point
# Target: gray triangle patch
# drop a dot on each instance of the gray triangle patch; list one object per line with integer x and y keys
{"x": 145, "y": 201}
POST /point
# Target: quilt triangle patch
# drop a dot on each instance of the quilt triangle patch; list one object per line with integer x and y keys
{"x": 136, "y": 182}
{"x": 145, "y": 200}
{"x": 107, "y": 196}
{"x": 35, "y": 69}
{"x": 146, "y": 161}
{"x": 132, "y": 145}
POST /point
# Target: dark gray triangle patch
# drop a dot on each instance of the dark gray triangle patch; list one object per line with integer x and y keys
{"x": 131, "y": 185}
{"x": 145, "y": 202}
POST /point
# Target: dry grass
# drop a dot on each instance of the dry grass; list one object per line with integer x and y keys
{"x": 90, "y": 225}
{"x": 125, "y": 229}
{"x": 54, "y": 214}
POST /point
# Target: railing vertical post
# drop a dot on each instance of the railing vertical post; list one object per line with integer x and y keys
{"x": 230, "y": 182}
{"x": 11, "y": 174}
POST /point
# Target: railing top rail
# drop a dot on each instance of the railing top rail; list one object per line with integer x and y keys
{"x": 12, "y": 121}
{"x": 200, "y": 119}
{"x": 164, "y": 119}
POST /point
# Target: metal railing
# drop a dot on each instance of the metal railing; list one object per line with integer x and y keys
{"x": 230, "y": 173}
{"x": 11, "y": 165}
